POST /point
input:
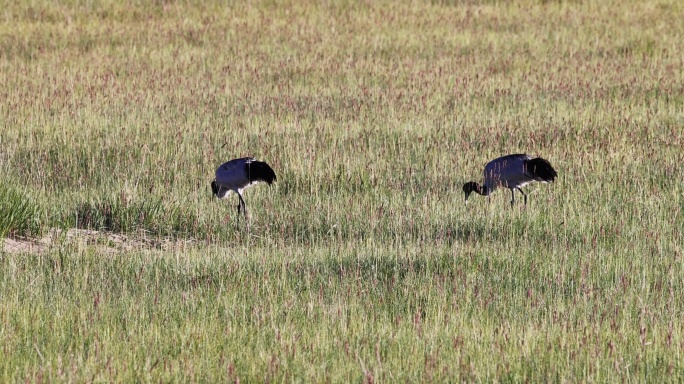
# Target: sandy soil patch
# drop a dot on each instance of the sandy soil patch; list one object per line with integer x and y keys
{"x": 104, "y": 241}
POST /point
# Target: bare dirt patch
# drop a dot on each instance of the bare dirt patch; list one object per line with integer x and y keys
{"x": 104, "y": 241}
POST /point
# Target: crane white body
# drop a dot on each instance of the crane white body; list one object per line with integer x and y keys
{"x": 512, "y": 172}
{"x": 239, "y": 174}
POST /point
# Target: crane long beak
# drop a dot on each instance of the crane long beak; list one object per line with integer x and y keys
{"x": 467, "y": 194}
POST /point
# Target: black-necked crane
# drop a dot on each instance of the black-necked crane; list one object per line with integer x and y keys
{"x": 239, "y": 174}
{"x": 512, "y": 172}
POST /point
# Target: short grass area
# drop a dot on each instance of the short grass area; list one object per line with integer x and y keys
{"x": 361, "y": 263}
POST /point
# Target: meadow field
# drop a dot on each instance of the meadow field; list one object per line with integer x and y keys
{"x": 362, "y": 263}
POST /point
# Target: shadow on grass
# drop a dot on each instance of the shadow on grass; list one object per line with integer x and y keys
{"x": 420, "y": 230}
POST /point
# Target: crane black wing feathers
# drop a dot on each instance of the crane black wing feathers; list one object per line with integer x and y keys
{"x": 542, "y": 169}
{"x": 259, "y": 171}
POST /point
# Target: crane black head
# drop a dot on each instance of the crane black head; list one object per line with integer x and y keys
{"x": 473, "y": 186}
{"x": 214, "y": 187}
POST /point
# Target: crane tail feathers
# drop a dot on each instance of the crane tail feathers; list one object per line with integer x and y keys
{"x": 542, "y": 170}
{"x": 260, "y": 171}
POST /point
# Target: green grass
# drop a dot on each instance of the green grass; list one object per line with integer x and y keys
{"x": 361, "y": 263}
{"x": 19, "y": 216}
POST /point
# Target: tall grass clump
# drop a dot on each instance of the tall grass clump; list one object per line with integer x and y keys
{"x": 153, "y": 216}
{"x": 19, "y": 215}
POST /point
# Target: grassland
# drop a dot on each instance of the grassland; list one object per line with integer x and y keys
{"x": 361, "y": 263}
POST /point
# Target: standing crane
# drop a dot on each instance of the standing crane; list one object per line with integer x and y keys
{"x": 239, "y": 174}
{"x": 512, "y": 172}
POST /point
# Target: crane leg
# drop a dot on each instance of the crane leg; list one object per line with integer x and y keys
{"x": 244, "y": 206}
{"x": 512, "y": 197}
{"x": 523, "y": 193}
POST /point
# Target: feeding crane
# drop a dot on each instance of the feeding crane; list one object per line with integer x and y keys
{"x": 512, "y": 172}
{"x": 239, "y": 174}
